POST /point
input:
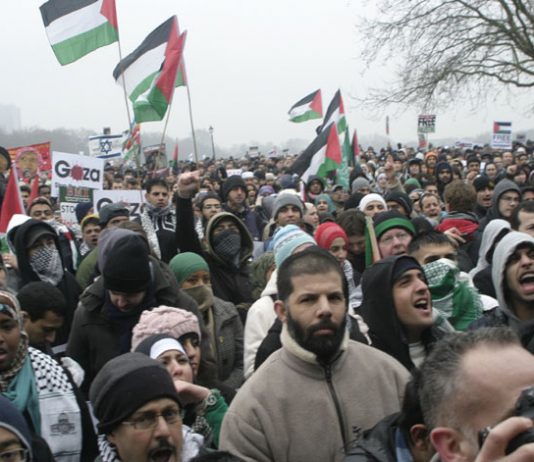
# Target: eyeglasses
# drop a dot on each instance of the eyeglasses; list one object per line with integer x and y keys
{"x": 402, "y": 237}
{"x": 149, "y": 420}
{"x": 14, "y": 455}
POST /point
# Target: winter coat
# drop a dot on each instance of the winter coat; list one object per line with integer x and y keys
{"x": 378, "y": 443}
{"x": 229, "y": 343}
{"x": 294, "y": 409}
{"x": 93, "y": 342}
{"x": 260, "y": 318}
{"x": 493, "y": 213}
{"x": 68, "y": 285}
{"x": 504, "y": 315}
{"x": 378, "y": 311}
{"x": 228, "y": 282}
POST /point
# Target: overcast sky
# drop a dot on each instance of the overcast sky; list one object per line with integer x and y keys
{"x": 248, "y": 61}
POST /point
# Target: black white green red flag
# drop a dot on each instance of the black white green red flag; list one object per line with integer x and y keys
{"x": 150, "y": 72}
{"x": 308, "y": 108}
{"x": 322, "y": 156}
{"x": 335, "y": 113}
{"x": 77, "y": 27}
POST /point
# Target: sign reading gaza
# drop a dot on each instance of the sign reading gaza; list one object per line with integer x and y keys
{"x": 131, "y": 198}
{"x": 75, "y": 170}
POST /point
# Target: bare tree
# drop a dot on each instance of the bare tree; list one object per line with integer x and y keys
{"x": 451, "y": 49}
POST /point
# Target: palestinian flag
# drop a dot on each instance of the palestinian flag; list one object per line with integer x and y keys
{"x": 149, "y": 73}
{"x": 335, "y": 114}
{"x": 77, "y": 27}
{"x": 12, "y": 203}
{"x": 308, "y": 108}
{"x": 502, "y": 127}
{"x": 321, "y": 156}
{"x": 342, "y": 173}
{"x": 132, "y": 144}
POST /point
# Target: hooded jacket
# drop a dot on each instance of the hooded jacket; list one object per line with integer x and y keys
{"x": 493, "y": 213}
{"x": 93, "y": 342}
{"x": 504, "y": 315}
{"x": 229, "y": 282}
{"x": 295, "y": 410}
{"x": 378, "y": 311}
{"x": 68, "y": 285}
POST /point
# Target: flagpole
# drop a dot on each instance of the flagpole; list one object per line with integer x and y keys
{"x": 166, "y": 122}
{"x": 122, "y": 74}
{"x": 195, "y": 149}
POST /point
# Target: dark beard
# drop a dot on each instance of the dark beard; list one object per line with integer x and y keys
{"x": 324, "y": 347}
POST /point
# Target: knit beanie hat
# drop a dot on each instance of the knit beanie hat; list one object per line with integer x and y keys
{"x": 359, "y": 183}
{"x": 401, "y": 199}
{"x": 165, "y": 320}
{"x": 126, "y": 383}
{"x": 127, "y": 268}
{"x": 391, "y": 219}
{"x": 157, "y": 344}
{"x": 326, "y": 233}
{"x": 11, "y": 419}
{"x": 286, "y": 240}
{"x": 266, "y": 190}
{"x": 82, "y": 209}
{"x": 185, "y": 264}
{"x": 413, "y": 181}
{"x": 232, "y": 182}
{"x": 373, "y": 197}
{"x": 353, "y": 201}
{"x": 483, "y": 182}
{"x": 285, "y": 199}
{"x": 110, "y": 211}
{"x": 404, "y": 263}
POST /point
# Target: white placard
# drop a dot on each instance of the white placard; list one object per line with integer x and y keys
{"x": 76, "y": 170}
{"x": 131, "y": 198}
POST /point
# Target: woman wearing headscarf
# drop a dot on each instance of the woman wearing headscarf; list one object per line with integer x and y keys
{"x": 221, "y": 318}
{"x": 42, "y": 390}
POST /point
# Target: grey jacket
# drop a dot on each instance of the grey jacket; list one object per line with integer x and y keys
{"x": 229, "y": 343}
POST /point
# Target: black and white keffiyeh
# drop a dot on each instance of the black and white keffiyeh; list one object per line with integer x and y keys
{"x": 46, "y": 262}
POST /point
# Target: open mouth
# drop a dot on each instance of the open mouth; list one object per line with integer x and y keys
{"x": 527, "y": 282}
{"x": 161, "y": 455}
{"x": 422, "y": 305}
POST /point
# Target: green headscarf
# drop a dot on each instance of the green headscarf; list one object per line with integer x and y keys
{"x": 185, "y": 264}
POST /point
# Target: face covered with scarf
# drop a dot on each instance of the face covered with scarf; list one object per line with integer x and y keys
{"x": 226, "y": 240}
{"x": 192, "y": 274}
{"x": 45, "y": 259}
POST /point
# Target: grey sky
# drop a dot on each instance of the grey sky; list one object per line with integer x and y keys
{"x": 248, "y": 61}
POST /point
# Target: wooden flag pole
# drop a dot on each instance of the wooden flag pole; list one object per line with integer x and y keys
{"x": 122, "y": 77}
{"x": 195, "y": 149}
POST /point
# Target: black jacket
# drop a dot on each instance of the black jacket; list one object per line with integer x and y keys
{"x": 378, "y": 311}
{"x": 377, "y": 444}
{"x": 93, "y": 342}
{"x": 68, "y": 286}
{"x": 228, "y": 282}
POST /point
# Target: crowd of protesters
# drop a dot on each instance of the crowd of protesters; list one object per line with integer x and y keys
{"x": 248, "y": 314}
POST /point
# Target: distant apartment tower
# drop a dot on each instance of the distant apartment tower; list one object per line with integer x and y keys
{"x": 9, "y": 117}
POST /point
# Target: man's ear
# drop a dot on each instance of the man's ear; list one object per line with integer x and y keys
{"x": 419, "y": 437}
{"x": 449, "y": 444}
{"x": 280, "y": 309}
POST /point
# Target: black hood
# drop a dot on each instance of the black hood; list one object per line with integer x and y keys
{"x": 21, "y": 239}
{"x": 378, "y": 310}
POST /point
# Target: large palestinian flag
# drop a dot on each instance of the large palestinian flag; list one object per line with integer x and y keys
{"x": 77, "y": 27}
{"x": 321, "y": 156}
{"x": 309, "y": 107}
{"x": 335, "y": 113}
{"x": 150, "y": 72}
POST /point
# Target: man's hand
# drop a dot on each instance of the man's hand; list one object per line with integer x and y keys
{"x": 188, "y": 184}
{"x": 455, "y": 236}
{"x": 494, "y": 446}
{"x": 389, "y": 170}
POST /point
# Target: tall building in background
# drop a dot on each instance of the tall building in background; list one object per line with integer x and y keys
{"x": 9, "y": 117}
